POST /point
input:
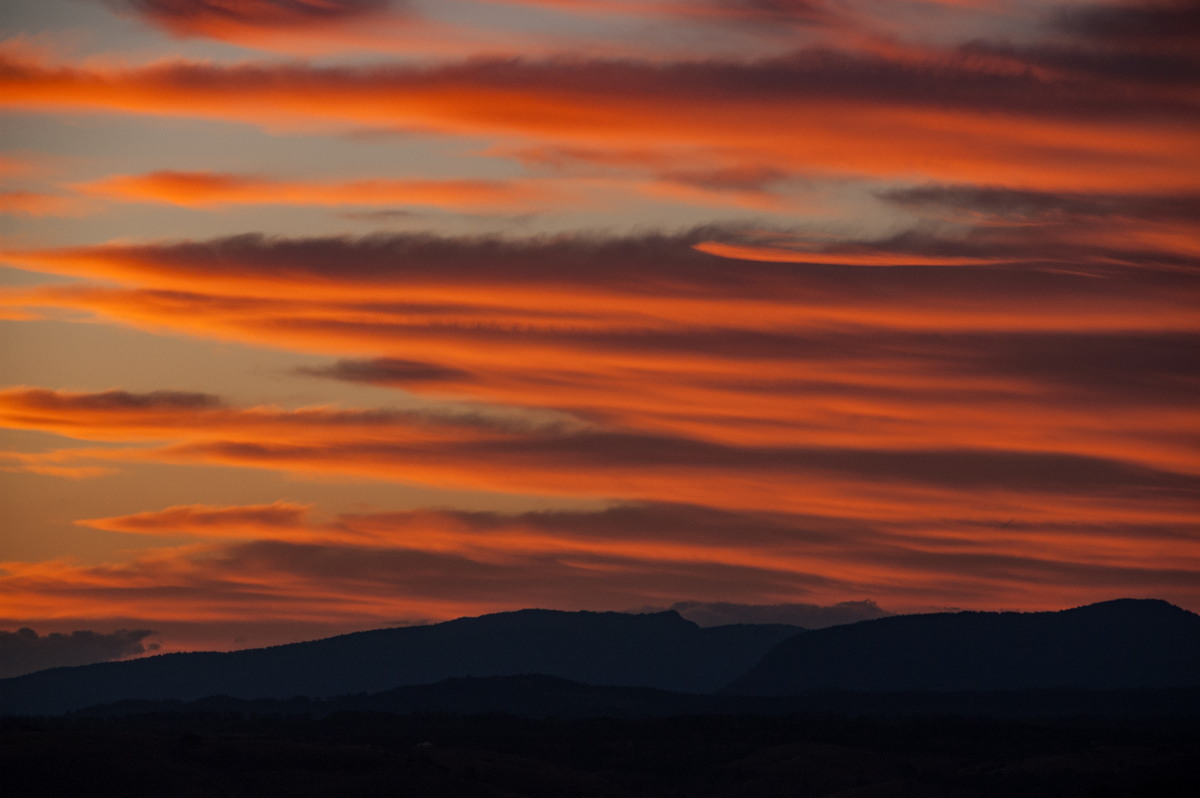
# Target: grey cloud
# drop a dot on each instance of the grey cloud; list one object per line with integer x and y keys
{"x": 577, "y": 580}
{"x": 666, "y": 264}
{"x": 1123, "y": 369}
{"x": 188, "y": 16}
{"x": 665, "y": 521}
{"x": 777, "y": 12}
{"x": 809, "y": 616}
{"x": 757, "y": 179}
{"x": 280, "y": 580}
{"x": 1151, "y": 66}
{"x": 124, "y": 400}
{"x": 984, "y": 567}
{"x": 1148, "y": 369}
{"x": 1158, "y": 22}
{"x": 390, "y": 215}
{"x": 1024, "y": 205}
{"x": 386, "y": 371}
{"x": 526, "y": 460}
{"x": 957, "y": 468}
{"x": 25, "y": 651}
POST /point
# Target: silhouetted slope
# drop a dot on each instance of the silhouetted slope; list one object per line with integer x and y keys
{"x": 659, "y": 650}
{"x": 1114, "y": 644}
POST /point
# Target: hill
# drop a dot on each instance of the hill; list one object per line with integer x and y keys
{"x": 1112, "y": 646}
{"x": 659, "y": 650}
{"x": 1128, "y": 643}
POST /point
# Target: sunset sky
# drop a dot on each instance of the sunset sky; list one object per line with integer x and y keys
{"x": 327, "y": 315}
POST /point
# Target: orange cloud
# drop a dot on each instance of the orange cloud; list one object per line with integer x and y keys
{"x": 1022, "y": 357}
{"x": 813, "y": 112}
{"x": 169, "y": 415}
{"x": 1003, "y": 416}
{"x": 205, "y": 17}
{"x": 587, "y": 283}
{"x": 446, "y": 564}
{"x": 49, "y": 464}
{"x": 319, "y": 27}
{"x": 210, "y": 189}
{"x": 36, "y": 203}
{"x": 851, "y": 256}
{"x": 1075, "y": 476}
{"x": 279, "y": 520}
{"x": 13, "y": 166}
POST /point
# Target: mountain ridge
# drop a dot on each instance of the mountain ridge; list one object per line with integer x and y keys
{"x": 1107, "y": 645}
{"x": 661, "y": 650}
{"x": 1119, "y": 644}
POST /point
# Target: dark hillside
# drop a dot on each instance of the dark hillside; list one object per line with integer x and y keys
{"x": 1115, "y": 644}
{"x": 659, "y": 650}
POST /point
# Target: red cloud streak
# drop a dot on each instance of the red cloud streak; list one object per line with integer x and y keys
{"x": 814, "y": 111}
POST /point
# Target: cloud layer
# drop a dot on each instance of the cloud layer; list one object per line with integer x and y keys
{"x": 366, "y": 569}
{"x": 919, "y": 327}
{"x": 950, "y": 116}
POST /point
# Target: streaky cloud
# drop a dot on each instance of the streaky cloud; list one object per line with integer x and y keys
{"x": 817, "y": 111}
{"x": 206, "y": 17}
{"x": 359, "y": 570}
{"x": 386, "y": 371}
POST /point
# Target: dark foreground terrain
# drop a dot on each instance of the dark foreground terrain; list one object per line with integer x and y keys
{"x": 365, "y": 754}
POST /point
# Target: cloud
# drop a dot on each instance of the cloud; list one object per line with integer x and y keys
{"x": 1117, "y": 369}
{"x": 216, "y": 190}
{"x": 364, "y": 570}
{"x": 1136, "y": 229}
{"x": 813, "y": 112}
{"x": 50, "y": 464}
{"x": 308, "y": 27}
{"x": 779, "y": 14}
{"x": 808, "y": 616}
{"x": 122, "y": 415}
{"x": 1152, "y": 23}
{"x": 253, "y": 522}
{"x": 994, "y": 397}
{"x": 121, "y": 401}
{"x": 548, "y": 304}
{"x": 775, "y": 11}
{"x": 392, "y": 267}
{"x": 999, "y": 205}
{"x": 427, "y": 568}
{"x": 214, "y": 17}
{"x": 920, "y": 387}
{"x": 36, "y": 203}
{"x": 25, "y": 651}
{"x": 868, "y": 478}
{"x": 610, "y": 465}
{"x": 1163, "y": 70}
{"x": 386, "y": 371}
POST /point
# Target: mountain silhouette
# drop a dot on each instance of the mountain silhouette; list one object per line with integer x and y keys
{"x": 1127, "y": 643}
{"x": 659, "y": 650}
{"x": 1116, "y": 645}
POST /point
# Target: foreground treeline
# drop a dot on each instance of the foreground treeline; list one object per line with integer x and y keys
{"x": 376, "y": 754}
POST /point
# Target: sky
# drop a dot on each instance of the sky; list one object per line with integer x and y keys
{"x": 328, "y": 315}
